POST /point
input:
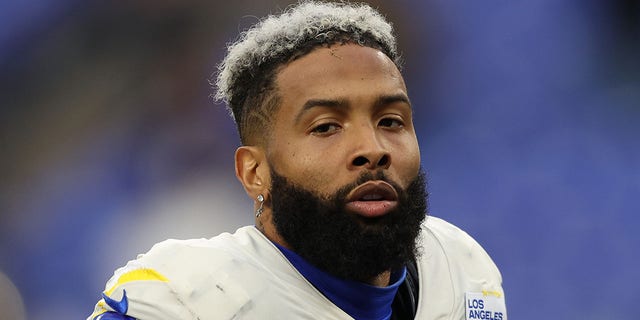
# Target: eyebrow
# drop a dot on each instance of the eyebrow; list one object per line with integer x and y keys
{"x": 327, "y": 103}
{"x": 386, "y": 100}
{"x": 341, "y": 103}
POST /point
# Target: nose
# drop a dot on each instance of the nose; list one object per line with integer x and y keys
{"x": 370, "y": 153}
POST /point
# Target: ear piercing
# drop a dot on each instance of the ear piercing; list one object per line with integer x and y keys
{"x": 260, "y": 199}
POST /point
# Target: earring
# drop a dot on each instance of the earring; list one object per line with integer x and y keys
{"x": 260, "y": 199}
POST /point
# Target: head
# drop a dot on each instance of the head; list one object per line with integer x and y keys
{"x": 246, "y": 77}
{"x": 328, "y": 138}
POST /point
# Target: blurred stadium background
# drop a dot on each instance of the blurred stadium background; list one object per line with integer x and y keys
{"x": 527, "y": 112}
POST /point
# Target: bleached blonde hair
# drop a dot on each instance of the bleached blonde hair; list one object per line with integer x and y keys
{"x": 245, "y": 80}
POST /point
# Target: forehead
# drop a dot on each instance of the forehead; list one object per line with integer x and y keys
{"x": 347, "y": 71}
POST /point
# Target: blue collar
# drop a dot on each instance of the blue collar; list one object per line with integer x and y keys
{"x": 359, "y": 300}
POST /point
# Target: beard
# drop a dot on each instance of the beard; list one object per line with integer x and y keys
{"x": 344, "y": 244}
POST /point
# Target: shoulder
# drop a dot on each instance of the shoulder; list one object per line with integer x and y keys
{"x": 222, "y": 243}
{"x": 177, "y": 279}
{"x": 452, "y": 264}
{"x": 459, "y": 249}
{"x": 227, "y": 260}
{"x": 188, "y": 255}
{"x": 445, "y": 231}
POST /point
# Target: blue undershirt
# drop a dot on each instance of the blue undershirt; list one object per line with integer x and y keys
{"x": 359, "y": 300}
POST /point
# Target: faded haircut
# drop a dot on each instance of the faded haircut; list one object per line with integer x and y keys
{"x": 246, "y": 76}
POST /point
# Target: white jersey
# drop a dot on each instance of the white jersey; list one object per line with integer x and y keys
{"x": 244, "y": 276}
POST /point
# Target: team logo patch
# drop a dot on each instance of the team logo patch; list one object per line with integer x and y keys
{"x": 485, "y": 305}
{"x": 121, "y": 306}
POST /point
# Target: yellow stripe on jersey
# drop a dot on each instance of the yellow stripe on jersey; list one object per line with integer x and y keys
{"x": 496, "y": 294}
{"x": 98, "y": 312}
{"x": 137, "y": 275}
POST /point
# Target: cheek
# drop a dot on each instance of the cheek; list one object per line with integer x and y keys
{"x": 307, "y": 167}
{"x": 414, "y": 154}
{"x": 407, "y": 159}
{"x": 316, "y": 170}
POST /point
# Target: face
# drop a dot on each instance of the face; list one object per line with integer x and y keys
{"x": 344, "y": 111}
{"x": 345, "y": 188}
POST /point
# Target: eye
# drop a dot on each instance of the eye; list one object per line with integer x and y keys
{"x": 325, "y": 129}
{"x": 391, "y": 123}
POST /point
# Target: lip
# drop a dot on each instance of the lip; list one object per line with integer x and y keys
{"x": 388, "y": 199}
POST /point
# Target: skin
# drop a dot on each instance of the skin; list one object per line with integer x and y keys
{"x": 344, "y": 110}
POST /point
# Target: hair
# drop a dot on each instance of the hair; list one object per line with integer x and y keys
{"x": 246, "y": 77}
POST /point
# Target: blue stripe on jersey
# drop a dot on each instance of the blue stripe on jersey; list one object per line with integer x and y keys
{"x": 113, "y": 316}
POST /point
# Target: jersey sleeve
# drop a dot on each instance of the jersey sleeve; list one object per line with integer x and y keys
{"x": 139, "y": 292}
{"x": 183, "y": 280}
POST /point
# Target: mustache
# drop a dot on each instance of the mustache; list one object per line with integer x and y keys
{"x": 366, "y": 176}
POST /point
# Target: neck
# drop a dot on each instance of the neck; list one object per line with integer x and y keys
{"x": 268, "y": 229}
{"x": 381, "y": 280}
{"x": 370, "y": 300}
{"x": 265, "y": 224}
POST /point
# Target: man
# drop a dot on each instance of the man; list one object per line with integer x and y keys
{"x": 330, "y": 157}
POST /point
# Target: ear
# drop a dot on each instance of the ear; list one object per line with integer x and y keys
{"x": 252, "y": 170}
